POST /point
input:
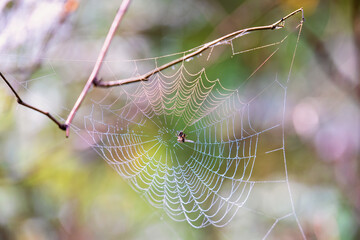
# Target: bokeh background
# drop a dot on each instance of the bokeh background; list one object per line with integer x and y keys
{"x": 57, "y": 188}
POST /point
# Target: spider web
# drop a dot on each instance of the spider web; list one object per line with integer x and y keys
{"x": 233, "y": 121}
{"x": 232, "y": 112}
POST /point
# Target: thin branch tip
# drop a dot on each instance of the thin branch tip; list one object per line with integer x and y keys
{"x": 302, "y": 14}
{"x": 67, "y": 130}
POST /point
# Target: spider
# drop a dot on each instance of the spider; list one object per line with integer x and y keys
{"x": 181, "y": 137}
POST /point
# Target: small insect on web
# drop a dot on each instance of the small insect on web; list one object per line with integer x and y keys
{"x": 193, "y": 137}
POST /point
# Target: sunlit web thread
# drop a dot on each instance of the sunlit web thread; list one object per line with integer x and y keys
{"x": 205, "y": 182}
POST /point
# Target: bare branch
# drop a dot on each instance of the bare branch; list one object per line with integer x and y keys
{"x": 206, "y": 46}
{"x": 99, "y": 61}
{"x": 21, "y": 102}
